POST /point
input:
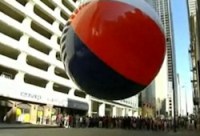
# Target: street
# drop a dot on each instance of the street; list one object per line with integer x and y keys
{"x": 89, "y": 132}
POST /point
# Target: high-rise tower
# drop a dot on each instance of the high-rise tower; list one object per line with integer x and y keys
{"x": 165, "y": 82}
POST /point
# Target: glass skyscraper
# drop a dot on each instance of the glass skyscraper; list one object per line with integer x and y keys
{"x": 164, "y": 87}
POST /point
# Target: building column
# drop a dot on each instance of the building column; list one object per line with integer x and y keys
{"x": 123, "y": 112}
{"x": 102, "y": 108}
{"x": 30, "y": 6}
{"x": 51, "y": 68}
{"x": 24, "y": 40}
{"x": 19, "y": 76}
{"x": 57, "y": 11}
{"x": 54, "y": 38}
{"x": 90, "y": 108}
{"x": 71, "y": 92}
{"x": 52, "y": 54}
{"x": 135, "y": 113}
{"x": 89, "y": 105}
{"x": 130, "y": 112}
{"x": 22, "y": 58}
{"x": 33, "y": 114}
{"x": 114, "y": 111}
{"x": 49, "y": 86}
{"x": 27, "y": 23}
{"x": 56, "y": 25}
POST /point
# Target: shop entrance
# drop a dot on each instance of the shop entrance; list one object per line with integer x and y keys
{"x": 5, "y": 107}
{"x": 3, "y": 111}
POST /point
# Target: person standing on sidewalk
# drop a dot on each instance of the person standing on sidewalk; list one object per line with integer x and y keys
{"x": 81, "y": 121}
{"x": 65, "y": 120}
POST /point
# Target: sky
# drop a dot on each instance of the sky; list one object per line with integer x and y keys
{"x": 182, "y": 41}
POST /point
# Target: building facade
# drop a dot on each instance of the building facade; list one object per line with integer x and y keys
{"x": 194, "y": 50}
{"x": 192, "y": 7}
{"x": 165, "y": 83}
{"x": 34, "y": 86}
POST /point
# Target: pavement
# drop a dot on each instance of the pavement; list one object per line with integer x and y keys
{"x": 23, "y": 126}
{"x": 91, "y": 132}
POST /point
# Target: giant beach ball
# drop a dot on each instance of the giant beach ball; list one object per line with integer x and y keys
{"x": 113, "y": 49}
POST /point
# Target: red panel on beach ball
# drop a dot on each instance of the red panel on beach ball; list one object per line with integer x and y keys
{"x": 113, "y": 49}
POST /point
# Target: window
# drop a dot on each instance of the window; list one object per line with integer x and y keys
{"x": 35, "y": 62}
{"x": 41, "y": 13}
{"x": 37, "y": 28}
{"x": 35, "y": 80}
{"x": 49, "y": 4}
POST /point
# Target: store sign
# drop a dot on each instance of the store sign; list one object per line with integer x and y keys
{"x": 52, "y": 98}
{"x": 31, "y": 96}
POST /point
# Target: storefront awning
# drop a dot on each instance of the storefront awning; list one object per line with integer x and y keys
{"x": 74, "y": 104}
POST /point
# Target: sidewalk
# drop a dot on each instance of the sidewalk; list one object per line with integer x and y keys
{"x": 22, "y": 126}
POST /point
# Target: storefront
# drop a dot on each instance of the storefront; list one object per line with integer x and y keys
{"x": 37, "y": 105}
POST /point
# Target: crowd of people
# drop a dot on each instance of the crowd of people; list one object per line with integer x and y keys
{"x": 157, "y": 124}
